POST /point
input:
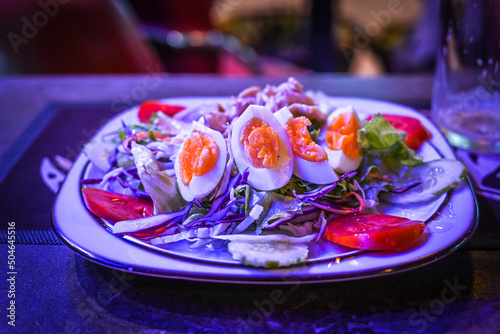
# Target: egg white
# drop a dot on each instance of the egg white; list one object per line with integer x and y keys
{"x": 201, "y": 186}
{"x": 317, "y": 172}
{"x": 263, "y": 178}
{"x": 338, "y": 160}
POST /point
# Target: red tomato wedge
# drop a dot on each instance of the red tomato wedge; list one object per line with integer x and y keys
{"x": 416, "y": 133}
{"x": 148, "y": 108}
{"x": 373, "y": 231}
{"x": 116, "y": 207}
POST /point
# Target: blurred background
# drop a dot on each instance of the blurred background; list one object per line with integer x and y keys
{"x": 226, "y": 37}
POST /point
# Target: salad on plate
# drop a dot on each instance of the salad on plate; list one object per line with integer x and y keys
{"x": 265, "y": 176}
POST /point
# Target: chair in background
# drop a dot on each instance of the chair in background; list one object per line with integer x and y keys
{"x": 77, "y": 36}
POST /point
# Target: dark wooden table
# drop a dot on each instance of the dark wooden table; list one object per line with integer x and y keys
{"x": 58, "y": 291}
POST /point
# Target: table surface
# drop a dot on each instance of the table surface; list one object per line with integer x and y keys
{"x": 58, "y": 291}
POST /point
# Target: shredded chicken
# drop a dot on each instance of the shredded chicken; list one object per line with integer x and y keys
{"x": 274, "y": 98}
{"x": 311, "y": 112}
{"x": 288, "y": 94}
{"x": 215, "y": 118}
{"x": 249, "y": 92}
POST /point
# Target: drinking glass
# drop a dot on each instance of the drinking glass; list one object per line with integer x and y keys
{"x": 466, "y": 98}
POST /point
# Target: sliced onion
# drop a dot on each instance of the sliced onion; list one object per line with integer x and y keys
{"x": 151, "y": 222}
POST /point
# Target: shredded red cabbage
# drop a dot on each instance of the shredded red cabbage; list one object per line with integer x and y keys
{"x": 241, "y": 178}
{"x": 90, "y": 181}
{"x": 233, "y": 218}
{"x": 214, "y": 217}
{"x": 339, "y": 209}
{"x": 112, "y": 159}
{"x": 126, "y": 128}
{"x": 323, "y": 190}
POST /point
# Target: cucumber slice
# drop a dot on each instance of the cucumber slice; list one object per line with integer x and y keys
{"x": 268, "y": 254}
{"x": 437, "y": 177}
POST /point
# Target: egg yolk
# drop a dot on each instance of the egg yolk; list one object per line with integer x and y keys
{"x": 342, "y": 134}
{"x": 261, "y": 143}
{"x": 301, "y": 141}
{"x": 198, "y": 156}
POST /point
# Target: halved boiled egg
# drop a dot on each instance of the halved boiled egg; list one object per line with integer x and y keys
{"x": 341, "y": 139}
{"x": 310, "y": 161}
{"x": 260, "y": 143}
{"x": 201, "y": 162}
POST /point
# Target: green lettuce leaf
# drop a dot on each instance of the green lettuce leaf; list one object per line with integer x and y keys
{"x": 295, "y": 184}
{"x": 378, "y": 138}
{"x": 279, "y": 206}
{"x": 387, "y": 161}
{"x": 158, "y": 184}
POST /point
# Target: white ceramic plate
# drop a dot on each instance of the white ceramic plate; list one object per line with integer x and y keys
{"x": 451, "y": 220}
